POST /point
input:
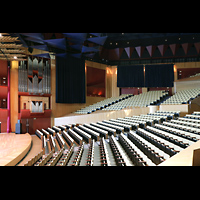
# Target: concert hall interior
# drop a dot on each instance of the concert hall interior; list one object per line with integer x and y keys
{"x": 99, "y": 99}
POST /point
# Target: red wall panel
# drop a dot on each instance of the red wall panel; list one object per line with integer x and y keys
{"x": 96, "y": 82}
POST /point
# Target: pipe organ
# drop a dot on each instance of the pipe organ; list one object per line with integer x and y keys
{"x": 34, "y": 91}
{"x": 35, "y": 75}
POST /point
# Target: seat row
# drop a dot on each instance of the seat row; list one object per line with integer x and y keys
{"x": 146, "y": 148}
{"x": 66, "y": 156}
{"x": 55, "y": 157}
{"x": 90, "y": 156}
{"x": 184, "y": 131}
{"x": 44, "y": 159}
{"x": 149, "y": 145}
{"x": 179, "y": 142}
{"x": 117, "y": 152}
{"x": 79, "y": 153}
{"x": 159, "y": 142}
{"x": 135, "y": 154}
{"x": 104, "y": 158}
{"x": 142, "y": 100}
{"x": 103, "y": 104}
{"x": 183, "y": 96}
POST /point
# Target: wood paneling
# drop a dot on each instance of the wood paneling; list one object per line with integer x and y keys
{"x": 14, "y": 94}
{"x": 59, "y": 110}
{"x": 100, "y": 116}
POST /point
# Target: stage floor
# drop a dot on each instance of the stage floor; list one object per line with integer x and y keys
{"x": 13, "y": 147}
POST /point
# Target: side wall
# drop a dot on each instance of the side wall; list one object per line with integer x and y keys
{"x": 59, "y": 109}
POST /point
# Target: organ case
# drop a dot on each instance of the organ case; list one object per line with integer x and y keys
{"x": 35, "y": 75}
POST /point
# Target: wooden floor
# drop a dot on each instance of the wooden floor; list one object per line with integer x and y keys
{"x": 13, "y": 147}
{"x": 36, "y": 148}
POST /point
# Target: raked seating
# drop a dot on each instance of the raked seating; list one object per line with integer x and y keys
{"x": 168, "y": 115}
{"x": 90, "y": 156}
{"x": 159, "y": 142}
{"x": 196, "y": 113}
{"x": 104, "y": 158}
{"x": 44, "y": 159}
{"x": 67, "y": 138}
{"x": 176, "y": 113}
{"x": 118, "y": 153}
{"x": 132, "y": 125}
{"x": 52, "y": 143}
{"x": 75, "y": 136}
{"x": 79, "y": 153}
{"x": 183, "y": 96}
{"x": 113, "y": 122}
{"x": 134, "y": 153}
{"x": 192, "y": 116}
{"x": 55, "y": 157}
{"x": 94, "y": 134}
{"x": 118, "y": 129}
{"x": 46, "y": 133}
{"x": 150, "y": 145}
{"x": 66, "y": 156}
{"x": 102, "y": 132}
{"x": 51, "y": 131}
{"x": 150, "y": 151}
{"x": 87, "y": 137}
{"x": 111, "y": 131}
{"x": 39, "y": 134}
{"x": 102, "y": 104}
{"x": 60, "y": 140}
{"x": 142, "y": 100}
{"x": 189, "y": 120}
{"x": 56, "y": 129}
{"x": 185, "y": 123}
{"x": 187, "y": 131}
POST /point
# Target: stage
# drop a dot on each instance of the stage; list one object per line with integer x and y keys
{"x": 13, "y": 147}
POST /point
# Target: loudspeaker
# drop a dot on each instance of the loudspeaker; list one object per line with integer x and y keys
{"x": 18, "y": 127}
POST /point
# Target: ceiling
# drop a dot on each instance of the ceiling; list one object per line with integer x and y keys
{"x": 11, "y": 48}
{"x": 101, "y": 47}
{"x": 146, "y": 39}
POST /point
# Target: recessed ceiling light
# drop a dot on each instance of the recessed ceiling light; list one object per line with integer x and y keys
{"x": 110, "y": 43}
{"x": 165, "y": 40}
{"x": 179, "y": 38}
{"x": 116, "y": 43}
{"x": 127, "y": 42}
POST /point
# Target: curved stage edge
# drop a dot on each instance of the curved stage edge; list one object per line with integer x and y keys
{"x": 13, "y": 147}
